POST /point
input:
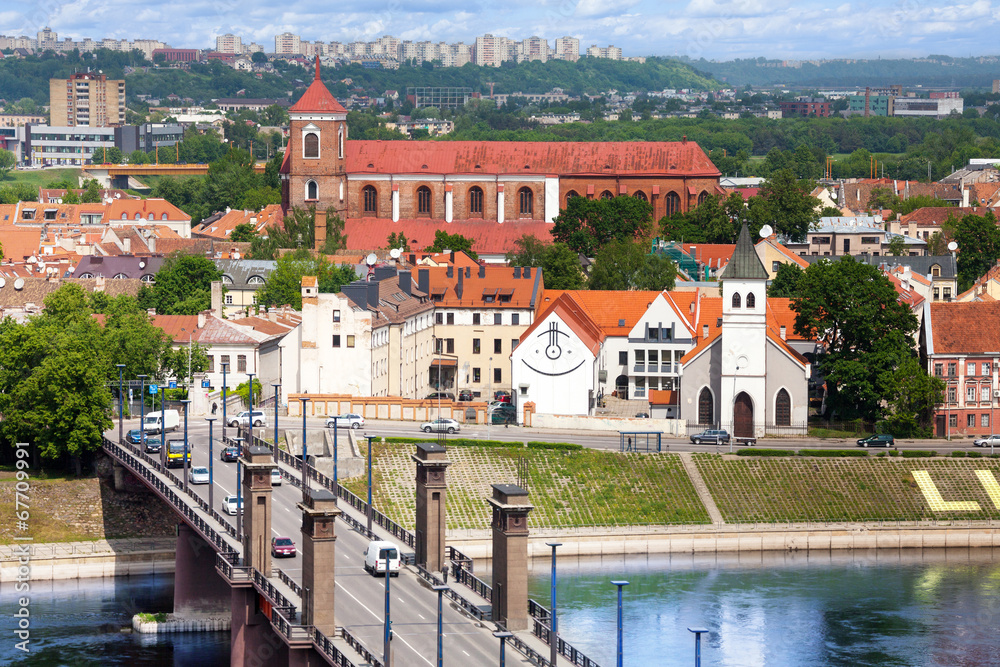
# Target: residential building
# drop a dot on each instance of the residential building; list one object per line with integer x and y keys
{"x": 121, "y": 267}
{"x": 928, "y": 221}
{"x": 491, "y": 50}
{"x": 434, "y": 127}
{"x": 805, "y": 106}
{"x": 177, "y": 55}
{"x": 773, "y": 254}
{"x": 23, "y": 297}
{"x": 241, "y": 280}
{"x": 20, "y": 120}
{"x": 250, "y": 104}
{"x": 87, "y": 99}
{"x": 45, "y": 145}
{"x": 286, "y": 44}
{"x": 850, "y": 236}
{"x": 611, "y": 52}
{"x": 567, "y": 48}
{"x": 934, "y": 107}
{"x": 229, "y": 43}
{"x": 532, "y": 48}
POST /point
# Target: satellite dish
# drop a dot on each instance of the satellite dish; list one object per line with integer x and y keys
{"x": 19, "y": 284}
{"x": 395, "y": 253}
{"x": 118, "y": 195}
{"x": 236, "y": 255}
{"x": 3, "y": 282}
{"x": 766, "y": 231}
{"x": 953, "y": 246}
{"x": 72, "y": 269}
{"x": 142, "y": 265}
{"x": 371, "y": 259}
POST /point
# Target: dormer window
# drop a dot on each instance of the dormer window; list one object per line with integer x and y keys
{"x": 163, "y": 216}
{"x": 124, "y": 216}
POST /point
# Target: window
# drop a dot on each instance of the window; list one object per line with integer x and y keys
{"x": 211, "y": 363}
{"x": 938, "y": 370}
{"x": 970, "y": 394}
{"x": 525, "y": 202}
{"x": 450, "y": 345}
{"x": 241, "y": 363}
{"x": 984, "y": 420}
{"x": 952, "y": 369}
{"x": 514, "y": 343}
{"x": 702, "y": 197}
{"x": 640, "y": 357}
{"x": 705, "y": 408}
{"x": 371, "y": 198}
{"x": 424, "y": 200}
{"x": 312, "y": 191}
{"x": 654, "y": 359}
{"x": 340, "y": 142}
{"x": 673, "y": 202}
{"x": 476, "y": 346}
{"x": 350, "y": 341}
{"x": 515, "y": 319}
{"x": 229, "y": 299}
{"x": 497, "y": 345}
{"x": 498, "y": 375}
{"x": 476, "y": 319}
{"x": 984, "y": 394}
{"x": 571, "y": 194}
{"x": 783, "y": 409}
{"x": 751, "y": 300}
{"x": 607, "y": 195}
{"x": 497, "y": 319}
{"x": 224, "y": 362}
{"x": 336, "y": 316}
{"x": 952, "y": 394}
{"x": 654, "y": 333}
{"x": 623, "y": 358}
{"x": 970, "y": 368}
{"x": 947, "y": 294}
{"x": 451, "y": 318}
{"x": 477, "y": 375}
{"x": 736, "y": 300}
{"x": 310, "y": 145}
{"x": 438, "y": 318}
{"x": 937, "y": 294}
{"x": 936, "y": 271}
{"x": 775, "y": 266}
{"x": 641, "y": 196}
{"x": 336, "y": 340}
{"x": 640, "y": 387}
{"x": 970, "y": 421}
{"x": 475, "y": 201}
{"x": 953, "y": 421}
{"x": 986, "y": 368}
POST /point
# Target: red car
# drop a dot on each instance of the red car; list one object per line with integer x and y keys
{"x": 282, "y": 547}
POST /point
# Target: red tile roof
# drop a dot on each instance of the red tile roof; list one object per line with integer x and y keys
{"x": 488, "y": 237}
{"x": 965, "y": 328}
{"x": 570, "y": 312}
{"x": 19, "y": 243}
{"x": 145, "y": 208}
{"x": 498, "y": 282}
{"x": 935, "y": 216}
{"x": 317, "y": 99}
{"x": 607, "y": 308}
{"x": 713, "y": 255}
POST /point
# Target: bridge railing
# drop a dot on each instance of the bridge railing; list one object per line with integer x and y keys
{"x": 290, "y": 583}
{"x": 541, "y": 627}
{"x": 472, "y": 609}
{"x": 356, "y": 644}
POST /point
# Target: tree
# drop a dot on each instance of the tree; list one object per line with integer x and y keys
{"x": 108, "y": 155}
{"x": 91, "y": 192}
{"x": 138, "y": 157}
{"x": 586, "y": 225}
{"x": 258, "y": 57}
{"x": 183, "y": 286}
{"x": 561, "y": 268}
{"x": 298, "y": 230}
{"x": 786, "y": 281}
{"x": 398, "y": 240}
{"x": 937, "y": 245}
{"x": 71, "y": 197}
{"x": 626, "y": 265}
{"x": 284, "y": 285}
{"x": 244, "y": 232}
{"x": 178, "y": 362}
{"x": 256, "y": 199}
{"x": 713, "y": 221}
{"x": 910, "y": 395}
{"x": 784, "y": 203}
{"x": 7, "y": 162}
{"x": 455, "y": 242}
{"x": 528, "y": 251}
{"x": 978, "y": 240}
{"x": 897, "y": 246}
{"x": 882, "y": 197}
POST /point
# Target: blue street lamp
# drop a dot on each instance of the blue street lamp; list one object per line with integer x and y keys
{"x": 121, "y": 367}
{"x": 276, "y": 394}
{"x": 440, "y": 588}
{"x": 225, "y": 367}
{"x": 620, "y": 584}
{"x": 698, "y": 632}
{"x": 187, "y": 461}
{"x": 305, "y": 455}
{"x": 239, "y": 491}
{"x": 370, "y": 512}
{"x": 503, "y": 636}
{"x": 250, "y": 415}
{"x": 336, "y": 483}
{"x": 211, "y": 461}
{"x": 554, "y": 634}
{"x": 142, "y": 412}
{"x": 387, "y": 633}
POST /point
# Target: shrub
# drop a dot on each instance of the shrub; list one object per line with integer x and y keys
{"x": 958, "y": 455}
{"x": 917, "y": 453}
{"x": 975, "y": 455}
{"x": 765, "y": 452}
{"x": 833, "y": 453}
{"x": 451, "y": 442}
{"x": 567, "y": 446}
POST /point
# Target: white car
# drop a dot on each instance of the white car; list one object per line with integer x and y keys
{"x": 441, "y": 426}
{"x": 245, "y": 419}
{"x": 275, "y": 477}
{"x": 229, "y": 505}
{"x": 987, "y": 441}
{"x": 198, "y": 475}
{"x": 351, "y": 420}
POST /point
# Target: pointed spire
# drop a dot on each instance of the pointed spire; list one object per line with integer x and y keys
{"x": 744, "y": 264}
{"x": 317, "y": 67}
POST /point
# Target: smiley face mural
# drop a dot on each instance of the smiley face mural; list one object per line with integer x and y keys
{"x": 551, "y": 352}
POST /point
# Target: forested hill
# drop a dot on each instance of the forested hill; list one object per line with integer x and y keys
{"x": 929, "y": 72}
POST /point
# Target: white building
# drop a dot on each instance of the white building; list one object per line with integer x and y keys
{"x": 491, "y": 50}
{"x": 286, "y": 44}
{"x": 567, "y": 48}
{"x": 229, "y": 43}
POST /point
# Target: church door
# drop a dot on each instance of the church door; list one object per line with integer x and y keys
{"x": 743, "y": 416}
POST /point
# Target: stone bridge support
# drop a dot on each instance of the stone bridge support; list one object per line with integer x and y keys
{"x": 257, "y": 465}
{"x": 319, "y": 542}
{"x": 510, "y": 555}
{"x": 252, "y": 641}
{"x": 199, "y": 590}
{"x": 432, "y": 496}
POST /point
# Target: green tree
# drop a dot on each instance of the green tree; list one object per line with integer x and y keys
{"x": 897, "y": 246}
{"x": 108, "y": 155}
{"x": 138, "y": 157}
{"x": 298, "y": 230}
{"x": 244, "y": 232}
{"x": 786, "y": 281}
{"x": 937, "y": 245}
{"x": 284, "y": 285}
{"x": 978, "y": 240}
{"x": 586, "y": 225}
{"x": 626, "y": 265}
{"x": 183, "y": 286}
{"x": 176, "y": 363}
{"x": 784, "y": 203}
{"x": 910, "y": 395}
{"x": 91, "y": 192}
{"x": 445, "y": 241}
{"x": 528, "y": 251}
{"x": 398, "y": 240}
{"x": 7, "y": 162}
{"x": 882, "y": 197}
{"x": 561, "y": 268}
{"x": 71, "y": 197}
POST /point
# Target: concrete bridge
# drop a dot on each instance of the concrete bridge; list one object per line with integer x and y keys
{"x": 323, "y": 608}
{"x": 116, "y": 175}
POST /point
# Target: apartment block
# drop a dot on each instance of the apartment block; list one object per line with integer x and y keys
{"x": 287, "y": 44}
{"x": 491, "y": 50}
{"x": 229, "y": 43}
{"x": 532, "y": 48}
{"x": 611, "y": 52}
{"x": 87, "y": 99}
{"x": 567, "y": 48}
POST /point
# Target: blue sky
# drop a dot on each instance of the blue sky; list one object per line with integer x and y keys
{"x": 714, "y": 29}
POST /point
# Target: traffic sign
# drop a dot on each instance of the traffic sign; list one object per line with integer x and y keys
{"x": 173, "y": 384}
{"x": 154, "y": 389}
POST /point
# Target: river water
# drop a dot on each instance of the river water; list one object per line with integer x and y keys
{"x": 888, "y": 608}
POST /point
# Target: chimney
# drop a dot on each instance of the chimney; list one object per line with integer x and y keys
{"x": 406, "y": 282}
{"x": 320, "y": 231}
{"x": 526, "y": 273}
{"x": 684, "y": 139}
{"x": 482, "y": 270}
{"x": 217, "y": 298}
{"x": 202, "y": 318}
{"x": 373, "y": 294}
{"x": 517, "y": 271}
{"x": 468, "y": 272}
{"x": 783, "y": 332}
{"x": 99, "y": 284}
{"x": 459, "y": 288}
{"x": 452, "y": 257}
{"x": 450, "y": 271}
{"x": 424, "y": 280}
{"x": 127, "y": 245}
{"x": 965, "y": 197}
{"x": 151, "y": 312}
{"x": 357, "y": 292}
{"x": 704, "y": 331}
{"x": 151, "y": 243}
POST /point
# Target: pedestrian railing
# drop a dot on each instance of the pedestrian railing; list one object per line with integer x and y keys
{"x": 356, "y": 644}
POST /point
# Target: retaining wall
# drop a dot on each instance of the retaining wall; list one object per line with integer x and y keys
{"x": 80, "y": 560}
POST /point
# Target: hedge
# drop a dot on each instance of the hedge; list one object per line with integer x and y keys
{"x": 975, "y": 455}
{"x": 917, "y": 453}
{"x": 765, "y": 452}
{"x": 958, "y": 455}
{"x": 455, "y": 442}
{"x": 566, "y": 446}
{"x": 833, "y": 453}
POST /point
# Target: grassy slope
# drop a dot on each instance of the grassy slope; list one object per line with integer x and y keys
{"x": 41, "y": 177}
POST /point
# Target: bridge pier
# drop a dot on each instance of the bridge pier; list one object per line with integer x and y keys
{"x": 257, "y": 465}
{"x": 319, "y": 541}
{"x": 253, "y": 643}
{"x": 198, "y": 588}
{"x": 510, "y": 555}
{"x": 432, "y": 497}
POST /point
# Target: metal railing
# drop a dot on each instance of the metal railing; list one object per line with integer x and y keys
{"x": 541, "y": 620}
{"x": 356, "y": 644}
{"x": 470, "y": 607}
{"x": 290, "y": 583}
{"x": 478, "y": 586}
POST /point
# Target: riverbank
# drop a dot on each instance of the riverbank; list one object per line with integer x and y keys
{"x": 84, "y": 560}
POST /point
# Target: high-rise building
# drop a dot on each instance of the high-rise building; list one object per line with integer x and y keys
{"x": 286, "y": 44}
{"x": 47, "y": 39}
{"x": 491, "y": 50}
{"x": 87, "y": 99}
{"x": 567, "y": 48}
{"x": 611, "y": 52}
{"x": 229, "y": 44}
{"x": 532, "y": 48}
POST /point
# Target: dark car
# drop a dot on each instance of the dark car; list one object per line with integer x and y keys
{"x": 134, "y": 436}
{"x": 713, "y": 436}
{"x": 230, "y": 454}
{"x": 440, "y": 395}
{"x": 152, "y": 444}
{"x": 505, "y": 414}
{"x": 282, "y": 547}
{"x": 465, "y": 395}
{"x": 880, "y": 440}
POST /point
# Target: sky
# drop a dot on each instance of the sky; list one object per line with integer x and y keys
{"x": 713, "y": 29}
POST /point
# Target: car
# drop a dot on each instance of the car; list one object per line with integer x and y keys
{"x": 275, "y": 477}
{"x": 465, "y": 395}
{"x": 440, "y": 396}
{"x": 230, "y": 454}
{"x": 153, "y": 445}
{"x": 134, "y": 436}
{"x": 503, "y": 396}
{"x": 229, "y": 505}
{"x": 381, "y": 556}
{"x": 350, "y": 420}
{"x": 493, "y": 405}
{"x": 642, "y": 415}
{"x": 282, "y": 547}
{"x": 713, "y": 436}
{"x": 198, "y": 475}
{"x": 176, "y": 456}
{"x": 245, "y": 418}
{"x": 441, "y": 426}
{"x": 878, "y": 440}
{"x": 504, "y": 414}
{"x": 988, "y": 441}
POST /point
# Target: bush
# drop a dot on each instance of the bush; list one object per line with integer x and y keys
{"x": 975, "y": 455}
{"x": 455, "y": 442}
{"x": 958, "y": 455}
{"x": 765, "y": 452}
{"x": 833, "y": 453}
{"x": 566, "y": 446}
{"x": 917, "y": 454}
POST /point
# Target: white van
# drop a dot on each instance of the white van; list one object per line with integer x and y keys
{"x": 160, "y": 422}
{"x": 381, "y": 556}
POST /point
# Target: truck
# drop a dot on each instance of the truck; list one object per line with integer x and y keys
{"x": 175, "y": 454}
{"x": 161, "y": 422}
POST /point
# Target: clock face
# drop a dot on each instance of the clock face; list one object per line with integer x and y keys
{"x": 742, "y": 361}
{"x": 553, "y": 352}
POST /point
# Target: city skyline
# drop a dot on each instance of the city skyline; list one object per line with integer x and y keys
{"x": 714, "y": 29}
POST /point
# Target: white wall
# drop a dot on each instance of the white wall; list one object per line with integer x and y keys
{"x": 556, "y": 369}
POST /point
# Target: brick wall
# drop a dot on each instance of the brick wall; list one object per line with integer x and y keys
{"x": 328, "y": 170}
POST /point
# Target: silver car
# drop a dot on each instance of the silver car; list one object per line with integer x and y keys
{"x": 350, "y": 420}
{"x": 441, "y": 426}
{"x": 229, "y": 505}
{"x": 198, "y": 475}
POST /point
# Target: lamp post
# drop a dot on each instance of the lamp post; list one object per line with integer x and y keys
{"x": 620, "y": 584}
{"x": 370, "y": 511}
{"x": 121, "y": 367}
{"x": 387, "y": 632}
{"x": 503, "y": 636}
{"x": 225, "y": 367}
{"x": 440, "y": 588}
{"x": 554, "y": 633}
{"x": 250, "y": 410}
{"x": 489, "y": 397}
{"x": 698, "y": 632}
{"x": 142, "y": 412}
{"x": 239, "y": 491}
{"x": 211, "y": 461}
{"x": 186, "y": 462}
{"x": 305, "y": 451}
{"x": 336, "y": 484}
{"x": 276, "y": 386}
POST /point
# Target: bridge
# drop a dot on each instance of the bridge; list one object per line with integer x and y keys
{"x": 114, "y": 175}
{"x": 322, "y": 607}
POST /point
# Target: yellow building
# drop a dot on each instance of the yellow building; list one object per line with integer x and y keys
{"x": 87, "y": 99}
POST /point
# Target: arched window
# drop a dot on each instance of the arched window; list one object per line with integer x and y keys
{"x": 736, "y": 300}
{"x": 936, "y": 271}
{"x": 783, "y": 409}
{"x": 310, "y": 145}
{"x": 312, "y": 191}
{"x": 138, "y": 217}
{"x": 147, "y": 279}
{"x": 640, "y": 195}
{"x": 340, "y": 142}
{"x": 607, "y": 195}
{"x": 163, "y": 216}
{"x": 475, "y": 201}
{"x": 120, "y": 276}
{"x": 706, "y": 408}
{"x": 424, "y": 200}
{"x": 371, "y": 198}
{"x": 571, "y": 194}
{"x": 751, "y": 300}
{"x": 525, "y": 201}
{"x": 255, "y": 280}
{"x": 673, "y": 201}
{"x": 124, "y": 216}
{"x": 150, "y": 217}
{"x": 702, "y": 197}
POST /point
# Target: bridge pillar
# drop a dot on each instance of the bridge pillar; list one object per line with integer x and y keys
{"x": 253, "y": 643}
{"x": 318, "y": 550}
{"x": 257, "y": 465}
{"x": 510, "y": 555}
{"x": 198, "y": 588}
{"x": 432, "y": 495}
{"x": 119, "y": 475}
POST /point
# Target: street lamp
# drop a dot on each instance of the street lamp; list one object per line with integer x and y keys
{"x": 305, "y": 461}
{"x": 211, "y": 461}
{"x": 503, "y": 636}
{"x": 336, "y": 484}
{"x": 698, "y": 632}
{"x": 142, "y": 412}
{"x": 620, "y": 584}
{"x": 239, "y": 491}
{"x": 370, "y": 512}
{"x": 554, "y": 634}
{"x": 186, "y": 462}
{"x": 121, "y": 367}
{"x": 276, "y": 386}
{"x": 440, "y": 588}
{"x": 190, "y": 340}
{"x": 489, "y": 397}
{"x": 387, "y": 633}
{"x": 225, "y": 367}
{"x": 250, "y": 413}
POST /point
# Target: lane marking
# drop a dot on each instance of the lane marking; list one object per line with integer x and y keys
{"x": 398, "y": 636}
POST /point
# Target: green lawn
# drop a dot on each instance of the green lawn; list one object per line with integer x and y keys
{"x": 41, "y": 177}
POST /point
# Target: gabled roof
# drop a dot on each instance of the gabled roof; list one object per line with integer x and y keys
{"x": 569, "y": 311}
{"x": 744, "y": 264}
{"x": 712, "y": 255}
{"x": 614, "y": 313}
{"x": 507, "y": 287}
{"x": 145, "y": 208}
{"x": 964, "y": 328}
{"x": 935, "y": 216}
{"x": 109, "y": 267}
{"x": 317, "y": 99}
{"x": 782, "y": 249}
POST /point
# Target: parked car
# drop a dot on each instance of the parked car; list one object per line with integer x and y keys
{"x": 642, "y": 415}
{"x": 350, "y": 420}
{"x": 441, "y": 426}
{"x": 713, "y": 436}
{"x": 198, "y": 475}
{"x": 504, "y": 414}
{"x": 282, "y": 547}
{"x": 465, "y": 395}
{"x": 258, "y": 418}
{"x": 880, "y": 440}
{"x": 503, "y": 396}
{"x": 988, "y": 441}
{"x": 152, "y": 445}
{"x": 229, "y": 505}
{"x": 440, "y": 395}
{"x": 275, "y": 477}
{"x": 134, "y": 436}
{"x": 382, "y": 557}
{"x": 230, "y": 454}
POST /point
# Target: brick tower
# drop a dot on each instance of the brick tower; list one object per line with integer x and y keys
{"x": 314, "y": 172}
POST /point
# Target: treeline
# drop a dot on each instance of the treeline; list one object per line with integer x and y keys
{"x": 29, "y": 77}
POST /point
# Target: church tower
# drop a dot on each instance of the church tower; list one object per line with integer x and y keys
{"x": 314, "y": 172}
{"x": 744, "y": 341}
